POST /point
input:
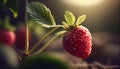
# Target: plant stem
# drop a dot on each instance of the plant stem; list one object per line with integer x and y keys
{"x": 42, "y": 39}
{"x": 46, "y": 45}
{"x": 26, "y": 24}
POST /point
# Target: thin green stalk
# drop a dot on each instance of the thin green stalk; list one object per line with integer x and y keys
{"x": 46, "y": 45}
{"x": 26, "y": 22}
{"x": 42, "y": 39}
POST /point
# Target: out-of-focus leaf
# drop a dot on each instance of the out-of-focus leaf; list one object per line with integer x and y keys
{"x": 15, "y": 14}
{"x": 5, "y": 1}
{"x": 5, "y": 24}
{"x": 41, "y": 14}
{"x": 1, "y": 4}
{"x": 12, "y": 7}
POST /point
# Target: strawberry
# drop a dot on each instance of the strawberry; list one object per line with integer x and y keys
{"x": 77, "y": 42}
{"x": 77, "y": 38}
{"x": 7, "y": 37}
{"x": 21, "y": 37}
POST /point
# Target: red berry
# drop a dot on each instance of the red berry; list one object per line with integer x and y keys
{"x": 77, "y": 42}
{"x": 21, "y": 37}
{"x": 7, "y": 37}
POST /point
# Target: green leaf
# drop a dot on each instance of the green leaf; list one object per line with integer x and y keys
{"x": 6, "y": 25}
{"x": 41, "y": 14}
{"x": 80, "y": 19}
{"x": 69, "y": 17}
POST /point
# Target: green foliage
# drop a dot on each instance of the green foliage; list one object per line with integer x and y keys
{"x": 80, "y": 19}
{"x": 44, "y": 61}
{"x": 14, "y": 12}
{"x": 4, "y": 24}
{"x": 71, "y": 20}
{"x": 36, "y": 29}
{"x": 41, "y": 14}
{"x": 9, "y": 5}
{"x": 69, "y": 17}
{"x": 13, "y": 7}
{"x": 5, "y": 1}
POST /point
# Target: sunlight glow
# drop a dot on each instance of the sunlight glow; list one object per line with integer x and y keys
{"x": 83, "y": 2}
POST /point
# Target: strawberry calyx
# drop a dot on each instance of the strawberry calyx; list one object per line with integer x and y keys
{"x": 71, "y": 22}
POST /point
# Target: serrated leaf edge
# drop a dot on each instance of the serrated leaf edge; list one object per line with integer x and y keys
{"x": 36, "y": 16}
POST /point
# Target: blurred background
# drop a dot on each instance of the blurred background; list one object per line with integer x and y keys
{"x": 103, "y": 21}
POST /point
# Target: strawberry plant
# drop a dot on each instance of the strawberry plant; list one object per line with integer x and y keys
{"x": 77, "y": 39}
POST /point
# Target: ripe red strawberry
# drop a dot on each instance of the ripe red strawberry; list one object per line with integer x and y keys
{"x": 7, "y": 37}
{"x": 21, "y": 37}
{"x": 77, "y": 41}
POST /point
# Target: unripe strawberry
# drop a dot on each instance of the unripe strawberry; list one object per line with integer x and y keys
{"x": 7, "y": 37}
{"x": 77, "y": 41}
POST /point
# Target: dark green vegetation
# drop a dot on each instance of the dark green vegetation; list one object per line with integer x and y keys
{"x": 43, "y": 61}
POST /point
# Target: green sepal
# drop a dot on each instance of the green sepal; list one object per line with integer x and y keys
{"x": 69, "y": 17}
{"x": 41, "y": 14}
{"x": 80, "y": 20}
{"x": 65, "y": 25}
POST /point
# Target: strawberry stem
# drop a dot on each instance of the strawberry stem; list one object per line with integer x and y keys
{"x": 46, "y": 45}
{"x": 42, "y": 39}
{"x": 27, "y": 39}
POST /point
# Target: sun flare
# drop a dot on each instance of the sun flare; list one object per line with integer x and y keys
{"x": 83, "y": 2}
